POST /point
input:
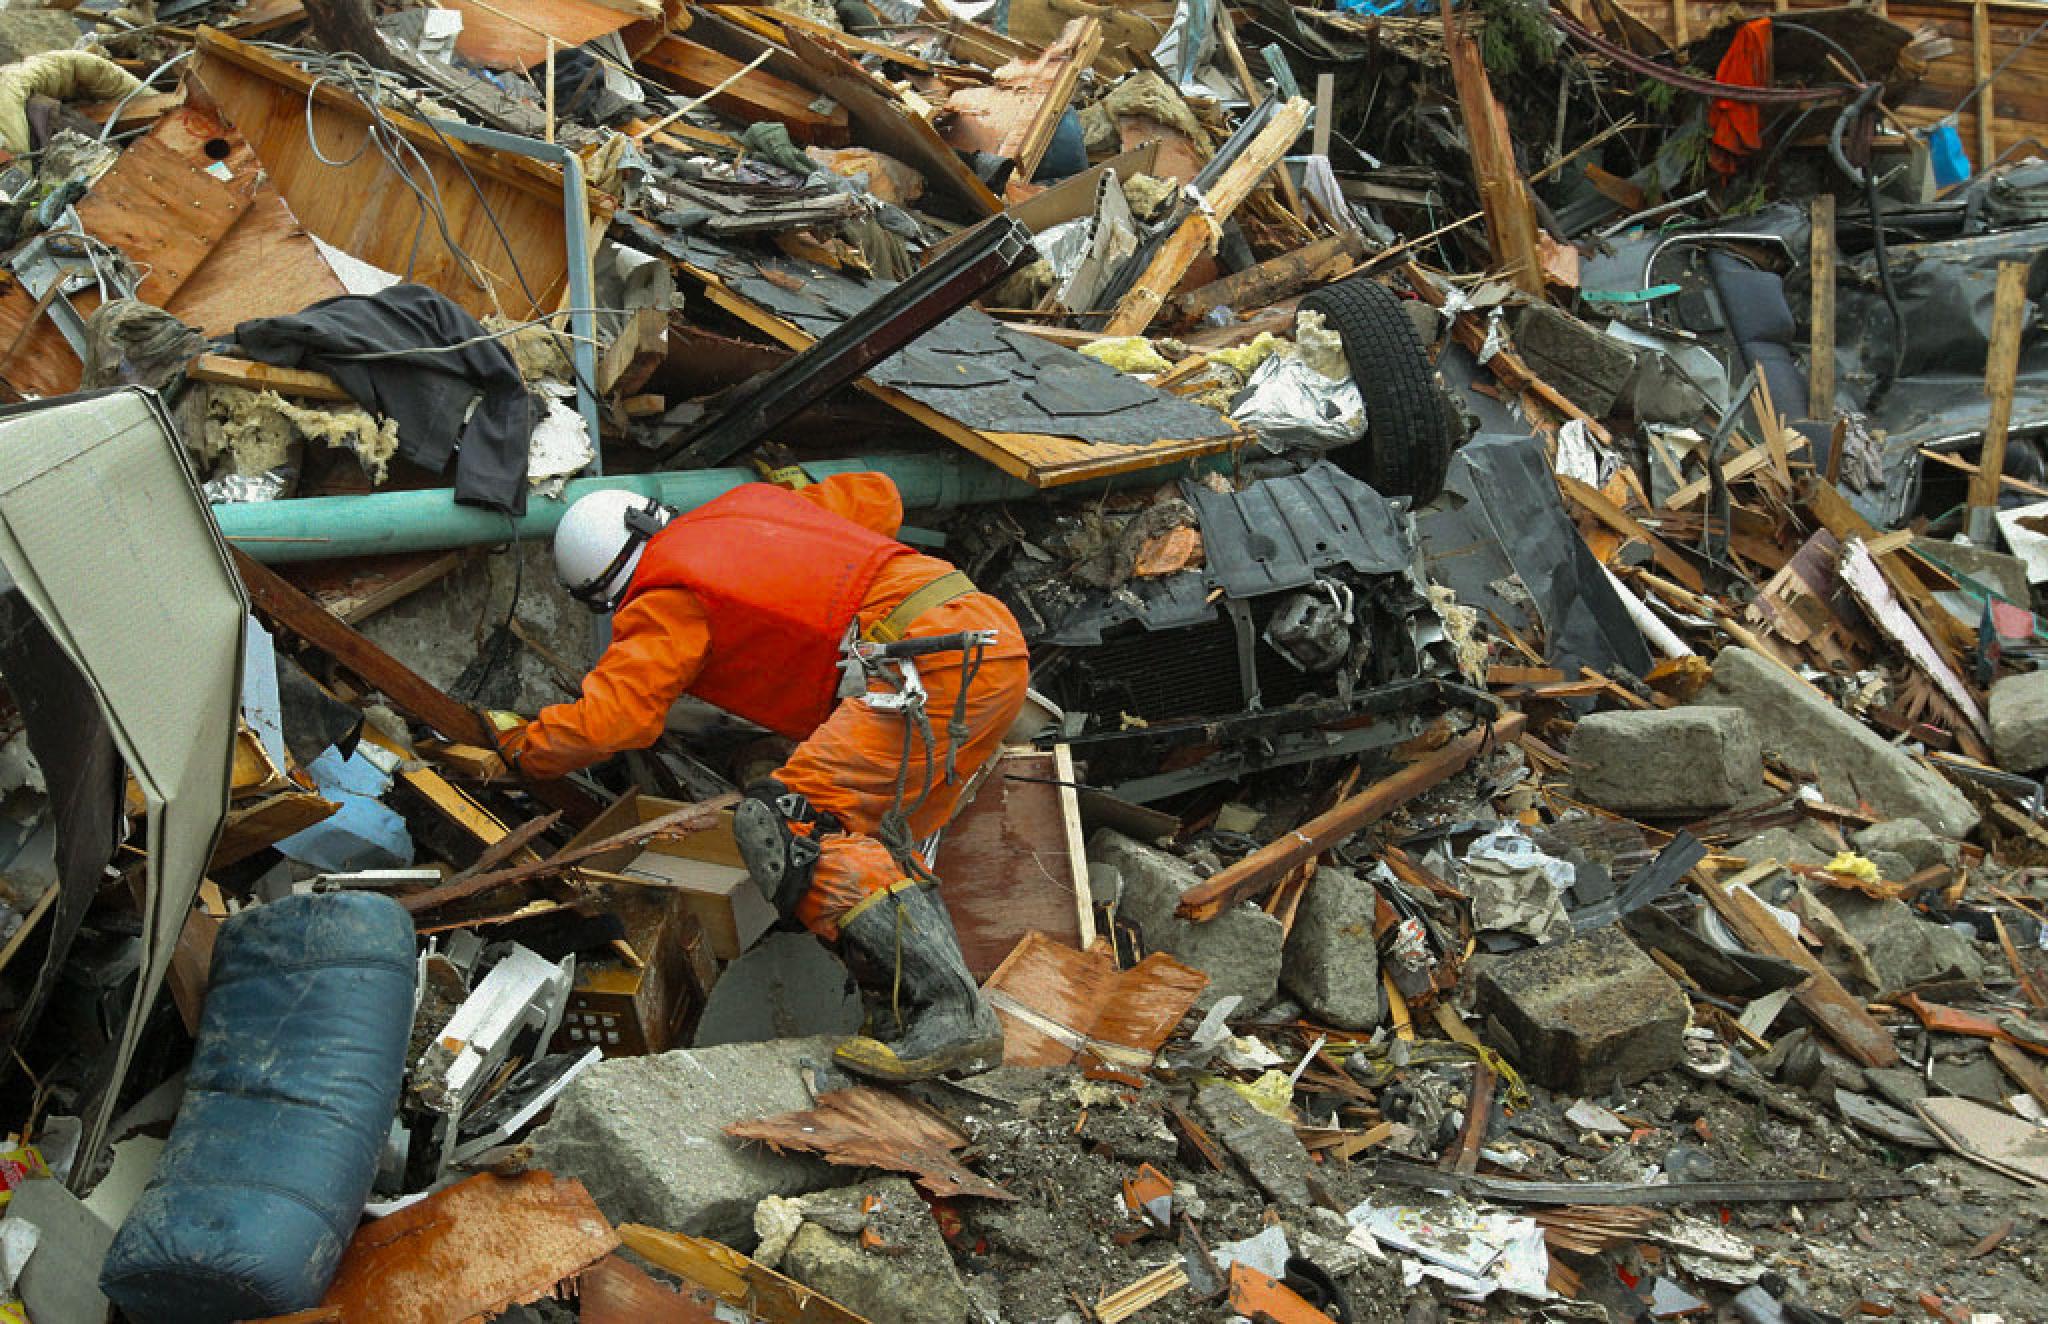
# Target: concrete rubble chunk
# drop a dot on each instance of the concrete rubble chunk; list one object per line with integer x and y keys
{"x": 646, "y": 1135}
{"x": 786, "y": 986}
{"x": 1923, "y": 847}
{"x": 2019, "y": 722}
{"x": 1904, "y": 948}
{"x": 1669, "y": 761}
{"x": 1584, "y": 1015}
{"x": 909, "y": 1277}
{"x": 1267, "y": 1146}
{"x": 1784, "y": 845}
{"x": 1798, "y": 725}
{"x": 1240, "y": 950}
{"x": 1331, "y": 963}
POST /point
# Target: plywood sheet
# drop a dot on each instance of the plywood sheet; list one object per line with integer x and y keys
{"x": 503, "y": 211}
{"x": 513, "y": 34}
{"x": 1060, "y": 1006}
{"x": 1012, "y": 863}
{"x": 863, "y": 1127}
{"x": 470, "y": 1251}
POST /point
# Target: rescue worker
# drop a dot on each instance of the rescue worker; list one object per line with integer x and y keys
{"x": 753, "y": 603}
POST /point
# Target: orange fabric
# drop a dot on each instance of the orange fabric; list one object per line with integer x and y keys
{"x": 848, "y": 767}
{"x": 1738, "y": 125}
{"x": 780, "y": 579}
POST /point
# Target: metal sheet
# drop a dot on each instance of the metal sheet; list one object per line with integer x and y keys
{"x": 1278, "y": 533}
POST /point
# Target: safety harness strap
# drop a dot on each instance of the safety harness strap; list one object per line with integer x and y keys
{"x": 938, "y": 593}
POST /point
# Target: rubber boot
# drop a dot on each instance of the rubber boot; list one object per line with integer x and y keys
{"x": 906, "y": 944}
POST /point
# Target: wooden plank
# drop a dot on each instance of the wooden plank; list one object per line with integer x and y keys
{"x": 1008, "y": 861}
{"x": 1983, "y": 64}
{"x": 229, "y": 371}
{"x": 1326, "y": 109}
{"x": 470, "y": 1251}
{"x": 1820, "y": 389}
{"x": 2001, "y": 368}
{"x": 774, "y": 23}
{"x": 733, "y": 1278}
{"x": 690, "y": 818}
{"x": 513, "y": 34}
{"x": 888, "y": 126}
{"x": 1276, "y": 278}
{"x": 1197, "y": 234}
{"x": 1510, "y": 219}
{"x": 2006, "y": 481}
{"x": 2017, "y": 1065}
{"x": 1597, "y": 504}
{"x": 1838, "y": 1014}
{"x": 694, "y": 69}
{"x": 504, "y": 211}
{"x": 1014, "y": 115}
{"x": 1251, "y": 876}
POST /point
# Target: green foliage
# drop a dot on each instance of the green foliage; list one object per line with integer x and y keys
{"x": 1518, "y": 35}
{"x": 1659, "y": 97}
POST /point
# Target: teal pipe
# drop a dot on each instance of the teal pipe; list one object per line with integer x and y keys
{"x": 381, "y": 523}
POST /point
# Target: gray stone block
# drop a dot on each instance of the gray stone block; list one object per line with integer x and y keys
{"x": 1784, "y": 845}
{"x": 1797, "y": 724}
{"x": 786, "y": 986}
{"x": 1239, "y": 950}
{"x": 1267, "y": 1146}
{"x": 2019, "y": 722}
{"x": 646, "y": 1135}
{"x": 1331, "y": 963}
{"x": 1584, "y": 1015}
{"x": 1667, "y": 761}
{"x": 1921, "y": 845}
{"x": 911, "y": 1277}
{"x": 1903, "y": 948}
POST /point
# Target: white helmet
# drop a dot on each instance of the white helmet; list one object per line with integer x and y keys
{"x": 599, "y": 541}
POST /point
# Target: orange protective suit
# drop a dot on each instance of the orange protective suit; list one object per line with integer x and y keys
{"x": 849, "y": 765}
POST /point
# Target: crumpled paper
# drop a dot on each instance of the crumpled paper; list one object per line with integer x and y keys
{"x": 1516, "y": 888}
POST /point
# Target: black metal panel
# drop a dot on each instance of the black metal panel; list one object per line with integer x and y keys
{"x": 1278, "y": 533}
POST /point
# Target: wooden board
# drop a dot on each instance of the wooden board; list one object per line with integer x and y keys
{"x": 470, "y": 1251}
{"x": 1014, "y": 862}
{"x": 887, "y": 127}
{"x": 367, "y": 211}
{"x": 1014, "y": 116}
{"x": 694, "y": 69}
{"x": 1060, "y": 1006}
{"x": 513, "y": 34}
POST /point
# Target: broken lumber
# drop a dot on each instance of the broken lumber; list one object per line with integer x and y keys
{"x": 227, "y": 371}
{"x": 1276, "y": 278}
{"x": 1260, "y": 870}
{"x": 1015, "y": 115}
{"x": 2001, "y": 368}
{"x": 732, "y": 1277}
{"x": 750, "y": 96}
{"x": 1198, "y": 233}
{"x": 1840, "y": 1016}
{"x": 1503, "y": 197}
{"x": 690, "y": 818}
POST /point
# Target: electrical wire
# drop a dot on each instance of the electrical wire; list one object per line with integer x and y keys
{"x": 114, "y": 117}
{"x": 515, "y": 328}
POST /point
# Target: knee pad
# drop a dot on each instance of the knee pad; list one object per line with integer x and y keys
{"x": 779, "y": 856}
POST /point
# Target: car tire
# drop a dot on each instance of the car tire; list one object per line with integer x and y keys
{"x": 1411, "y": 428}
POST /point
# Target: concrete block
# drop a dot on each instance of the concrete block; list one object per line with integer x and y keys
{"x": 1584, "y": 1015}
{"x": 646, "y": 1135}
{"x": 1240, "y": 950}
{"x": 1667, "y": 761}
{"x": 1267, "y": 1146}
{"x": 1331, "y": 963}
{"x": 2019, "y": 722}
{"x": 1785, "y": 845}
{"x": 1921, "y": 845}
{"x": 787, "y": 986}
{"x": 1903, "y": 948}
{"x": 910, "y": 1277}
{"x": 1797, "y": 724}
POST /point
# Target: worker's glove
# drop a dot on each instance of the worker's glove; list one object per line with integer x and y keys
{"x": 502, "y": 721}
{"x": 777, "y": 464}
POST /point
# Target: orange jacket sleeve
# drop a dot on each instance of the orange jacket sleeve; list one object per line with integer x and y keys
{"x": 659, "y": 641}
{"x": 868, "y": 499}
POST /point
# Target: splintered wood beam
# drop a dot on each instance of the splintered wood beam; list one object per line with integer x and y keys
{"x": 2001, "y": 369}
{"x": 226, "y": 371}
{"x": 1266, "y": 866}
{"x": 1015, "y": 115}
{"x": 1199, "y": 231}
{"x": 283, "y": 604}
{"x": 1820, "y": 391}
{"x": 694, "y": 69}
{"x": 1510, "y": 219}
{"x": 1276, "y": 278}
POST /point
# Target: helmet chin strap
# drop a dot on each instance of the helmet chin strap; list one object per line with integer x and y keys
{"x": 642, "y": 523}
